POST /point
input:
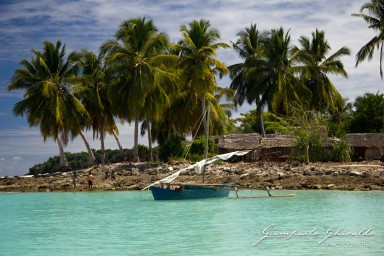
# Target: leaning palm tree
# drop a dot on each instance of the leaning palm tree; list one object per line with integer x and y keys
{"x": 375, "y": 20}
{"x": 135, "y": 63}
{"x": 316, "y": 66}
{"x": 249, "y": 46}
{"x": 48, "y": 101}
{"x": 199, "y": 67}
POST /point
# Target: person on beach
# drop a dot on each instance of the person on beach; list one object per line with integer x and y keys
{"x": 90, "y": 180}
{"x": 74, "y": 176}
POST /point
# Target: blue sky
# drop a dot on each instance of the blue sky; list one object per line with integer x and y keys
{"x": 87, "y": 24}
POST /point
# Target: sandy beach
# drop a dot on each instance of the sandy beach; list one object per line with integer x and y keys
{"x": 128, "y": 176}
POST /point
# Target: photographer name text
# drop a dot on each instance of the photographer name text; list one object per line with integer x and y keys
{"x": 271, "y": 232}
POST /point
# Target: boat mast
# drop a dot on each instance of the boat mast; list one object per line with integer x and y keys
{"x": 206, "y": 110}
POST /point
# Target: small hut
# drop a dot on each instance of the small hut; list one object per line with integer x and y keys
{"x": 366, "y": 146}
{"x": 276, "y": 147}
{"x": 234, "y": 142}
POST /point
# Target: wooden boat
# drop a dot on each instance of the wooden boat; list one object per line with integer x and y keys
{"x": 190, "y": 191}
{"x": 165, "y": 190}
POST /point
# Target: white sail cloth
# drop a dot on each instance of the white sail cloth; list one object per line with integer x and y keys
{"x": 198, "y": 167}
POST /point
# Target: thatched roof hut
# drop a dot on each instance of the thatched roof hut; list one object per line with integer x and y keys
{"x": 233, "y": 142}
{"x": 270, "y": 146}
{"x": 366, "y": 146}
{"x": 276, "y": 141}
{"x": 368, "y": 140}
{"x": 276, "y": 147}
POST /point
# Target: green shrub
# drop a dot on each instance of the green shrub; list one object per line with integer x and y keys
{"x": 196, "y": 151}
{"x": 341, "y": 151}
{"x": 173, "y": 147}
{"x": 198, "y": 146}
{"x": 315, "y": 144}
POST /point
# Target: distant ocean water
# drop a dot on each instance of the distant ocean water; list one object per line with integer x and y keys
{"x": 132, "y": 223}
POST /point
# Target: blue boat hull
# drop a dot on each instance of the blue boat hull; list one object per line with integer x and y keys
{"x": 190, "y": 192}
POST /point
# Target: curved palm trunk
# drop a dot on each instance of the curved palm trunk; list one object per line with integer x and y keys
{"x": 92, "y": 159}
{"x": 63, "y": 159}
{"x": 261, "y": 119}
{"x": 102, "y": 134}
{"x": 150, "y": 156}
{"x": 261, "y": 123}
{"x": 118, "y": 141}
{"x": 119, "y": 144}
{"x": 136, "y": 141}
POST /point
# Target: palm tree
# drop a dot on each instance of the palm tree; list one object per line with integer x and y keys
{"x": 316, "y": 67}
{"x": 91, "y": 88}
{"x": 249, "y": 47}
{"x": 339, "y": 119}
{"x": 375, "y": 20}
{"x": 274, "y": 74}
{"x": 198, "y": 65}
{"x": 221, "y": 111}
{"x": 136, "y": 68}
{"x": 48, "y": 101}
{"x": 155, "y": 103}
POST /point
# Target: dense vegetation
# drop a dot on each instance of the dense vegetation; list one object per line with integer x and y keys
{"x": 174, "y": 148}
{"x": 365, "y": 115}
{"x": 171, "y": 89}
{"x": 80, "y": 160}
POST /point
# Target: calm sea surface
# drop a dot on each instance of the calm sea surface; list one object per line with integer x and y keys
{"x": 132, "y": 223}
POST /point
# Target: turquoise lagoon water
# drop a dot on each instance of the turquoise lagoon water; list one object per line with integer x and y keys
{"x": 132, "y": 223}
